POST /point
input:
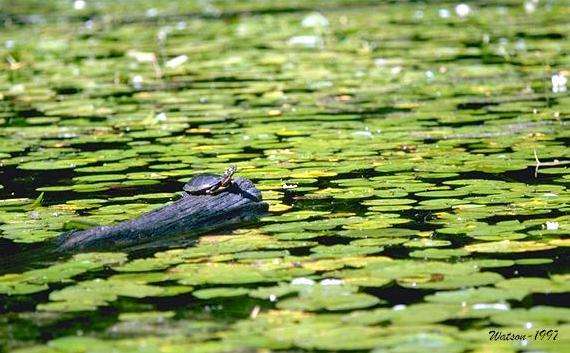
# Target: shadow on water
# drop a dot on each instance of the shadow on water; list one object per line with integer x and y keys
{"x": 22, "y": 257}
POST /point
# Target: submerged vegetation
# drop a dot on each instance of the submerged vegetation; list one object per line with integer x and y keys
{"x": 414, "y": 156}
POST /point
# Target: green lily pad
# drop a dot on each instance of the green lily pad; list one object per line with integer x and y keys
{"x": 210, "y": 293}
{"x": 508, "y": 246}
{"x": 477, "y": 295}
{"x": 331, "y": 297}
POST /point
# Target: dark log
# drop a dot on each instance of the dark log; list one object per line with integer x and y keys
{"x": 189, "y": 215}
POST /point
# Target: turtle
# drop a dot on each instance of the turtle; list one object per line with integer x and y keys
{"x": 207, "y": 184}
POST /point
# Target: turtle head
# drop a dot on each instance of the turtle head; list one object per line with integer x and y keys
{"x": 226, "y": 178}
{"x": 230, "y": 171}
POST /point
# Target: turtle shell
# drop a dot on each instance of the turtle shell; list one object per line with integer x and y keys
{"x": 200, "y": 183}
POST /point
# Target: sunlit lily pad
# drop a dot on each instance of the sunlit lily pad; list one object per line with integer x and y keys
{"x": 477, "y": 295}
{"x": 508, "y": 246}
{"x": 321, "y": 296}
{"x": 209, "y": 293}
{"x": 534, "y": 285}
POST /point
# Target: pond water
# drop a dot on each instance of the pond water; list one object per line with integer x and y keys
{"x": 414, "y": 157}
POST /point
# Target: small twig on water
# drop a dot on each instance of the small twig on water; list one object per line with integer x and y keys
{"x": 157, "y": 69}
{"x": 554, "y": 163}
{"x": 537, "y": 164}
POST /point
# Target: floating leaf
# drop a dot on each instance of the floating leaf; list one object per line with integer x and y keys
{"x": 508, "y": 246}
{"x": 210, "y": 293}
